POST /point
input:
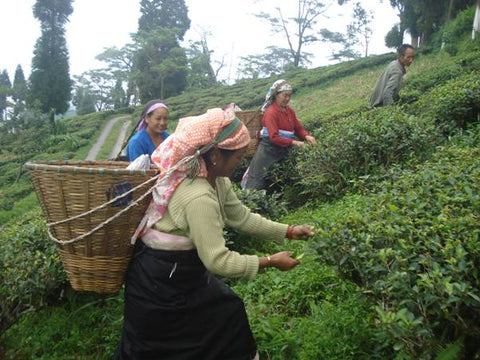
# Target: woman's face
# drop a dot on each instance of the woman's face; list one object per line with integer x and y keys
{"x": 282, "y": 99}
{"x": 157, "y": 121}
{"x": 227, "y": 164}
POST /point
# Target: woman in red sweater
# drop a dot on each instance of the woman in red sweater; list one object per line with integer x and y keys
{"x": 280, "y": 131}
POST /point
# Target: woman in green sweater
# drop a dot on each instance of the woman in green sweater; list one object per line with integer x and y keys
{"x": 175, "y": 308}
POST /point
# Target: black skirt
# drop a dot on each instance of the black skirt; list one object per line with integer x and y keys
{"x": 176, "y": 310}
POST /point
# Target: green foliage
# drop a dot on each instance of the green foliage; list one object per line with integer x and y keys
{"x": 455, "y": 31}
{"x": 30, "y": 270}
{"x": 50, "y": 82}
{"x": 417, "y": 86}
{"x": 360, "y": 145}
{"x": 415, "y": 249}
{"x": 308, "y": 313}
{"x": 454, "y": 104}
{"x": 82, "y": 325}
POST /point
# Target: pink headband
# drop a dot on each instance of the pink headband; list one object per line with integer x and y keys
{"x": 143, "y": 123}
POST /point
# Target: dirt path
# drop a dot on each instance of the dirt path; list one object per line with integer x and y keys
{"x": 92, "y": 154}
{"x": 121, "y": 138}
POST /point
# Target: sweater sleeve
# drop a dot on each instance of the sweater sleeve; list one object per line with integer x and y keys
{"x": 299, "y": 129}
{"x": 392, "y": 87}
{"x": 206, "y": 231}
{"x": 239, "y": 217}
{"x": 271, "y": 123}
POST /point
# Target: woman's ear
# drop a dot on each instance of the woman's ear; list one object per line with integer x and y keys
{"x": 215, "y": 156}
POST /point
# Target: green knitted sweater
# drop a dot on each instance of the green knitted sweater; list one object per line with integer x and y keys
{"x": 200, "y": 212}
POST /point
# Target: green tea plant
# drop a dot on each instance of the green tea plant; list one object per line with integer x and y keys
{"x": 31, "y": 273}
{"x": 415, "y": 249}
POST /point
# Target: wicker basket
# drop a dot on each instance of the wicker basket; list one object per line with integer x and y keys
{"x": 92, "y": 230}
{"x": 253, "y": 121}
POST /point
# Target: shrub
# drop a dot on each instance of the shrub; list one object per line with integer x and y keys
{"x": 308, "y": 313}
{"x": 454, "y": 104}
{"x": 30, "y": 269}
{"x": 415, "y": 247}
{"x": 363, "y": 144}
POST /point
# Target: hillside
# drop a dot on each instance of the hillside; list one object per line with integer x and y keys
{"x": 394, "y": 195}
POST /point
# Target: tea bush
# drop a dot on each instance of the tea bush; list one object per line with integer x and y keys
{"x": 454, "y": 104}
{"x": 30, "y": 270}
{"x": 308, "y": 313}
{"x": 363, "y": 144}
{"x": 415, "y": 248}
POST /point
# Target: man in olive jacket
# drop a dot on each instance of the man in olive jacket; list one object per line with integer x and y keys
{"x": 391, "y": 81}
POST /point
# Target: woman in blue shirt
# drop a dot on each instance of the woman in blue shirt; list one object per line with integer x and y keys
{"x": 151, "y": 131}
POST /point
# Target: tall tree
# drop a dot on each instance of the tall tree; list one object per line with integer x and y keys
{"x": 50, "y": 82}
{"x": 273, "y": 62}
{"x": 19, "y": 96}
{"x": 170, "y": 14}
{"x": 160, "y": 64}
{"x": 5, "y": 92}
{"x": 19, "y": 89}
{"x": 360, "y": 28}
{"x": 201, "y": 74}
{"x": 117, "y": 94}
{"x": 299, "y": 30}
{"x": 120, "y": 66}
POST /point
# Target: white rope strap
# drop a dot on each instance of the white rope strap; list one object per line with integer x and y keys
{"x": 104, "y": 204}
{"x": 133, "y": 203}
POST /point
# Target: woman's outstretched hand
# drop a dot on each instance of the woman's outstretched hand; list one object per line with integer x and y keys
{"x": 282, "y": 260}
{"x": 300, "y": 232}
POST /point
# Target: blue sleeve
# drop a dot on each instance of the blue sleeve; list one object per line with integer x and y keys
{"x": 134, "y": 149}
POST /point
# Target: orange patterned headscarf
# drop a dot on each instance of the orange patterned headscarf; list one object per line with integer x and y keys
{"x": 179, "y": 156}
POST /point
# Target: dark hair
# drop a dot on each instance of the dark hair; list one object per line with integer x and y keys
{"x": 148, "y": 105}
{"x": 403, "y": 48}
{"x": 225, "y": 153}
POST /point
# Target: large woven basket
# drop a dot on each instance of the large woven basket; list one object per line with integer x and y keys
{"x": 253, "y": 121}
{"x": 92, "y": 230}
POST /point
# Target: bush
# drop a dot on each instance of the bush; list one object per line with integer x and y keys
{"x": 308, "y": 313}
{"x": 452, "y": 105}
{"x": 415, "y": 247}
{"x": 361, "y": 145}
{"x": 30, "y": 270}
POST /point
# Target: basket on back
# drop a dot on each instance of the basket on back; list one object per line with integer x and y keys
{"x": 253, "y": 121}
{"x": 92, "y": 232}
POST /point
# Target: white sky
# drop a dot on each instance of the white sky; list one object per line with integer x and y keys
{"x": 235, "y": 31}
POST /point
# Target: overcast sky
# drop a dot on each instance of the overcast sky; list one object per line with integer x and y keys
{"x": 235, "y": 31}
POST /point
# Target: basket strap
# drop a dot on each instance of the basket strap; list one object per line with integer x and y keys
{"x": 133, "y": 203}
{"x": 104, "y": 204}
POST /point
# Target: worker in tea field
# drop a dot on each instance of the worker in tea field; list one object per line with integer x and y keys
{"x": 280, "y": 131}
{"x": 175, "y": 307}
{"x": 389, "y": 84}
{"x": 151, "y": 130}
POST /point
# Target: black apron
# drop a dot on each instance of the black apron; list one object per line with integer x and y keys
{"x": 266, "y": 154}
{"x": 176, "y": 310}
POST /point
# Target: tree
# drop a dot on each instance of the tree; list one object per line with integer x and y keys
{"x": 19, "y": 89}
{"x": 394, "y": 37}
{"x": 422, "y": 17}
{"x": 19, "y": 96}
{"x": 84, "y": 100}
{"x": 5, "y": 92}
{"x": 274, "y": 62}
{"x": 359, "y": 29}
{"x": 201, "y": 74}
{"x": 49, "y": 79}
{"x": 97, "y": 84}
{"x": 160, "y": 64}
{"x": 120, "y": 66}
{"x": 117, "y": 94}
{"x": 298, "y": 30}
{"x": 170, "y": 14}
